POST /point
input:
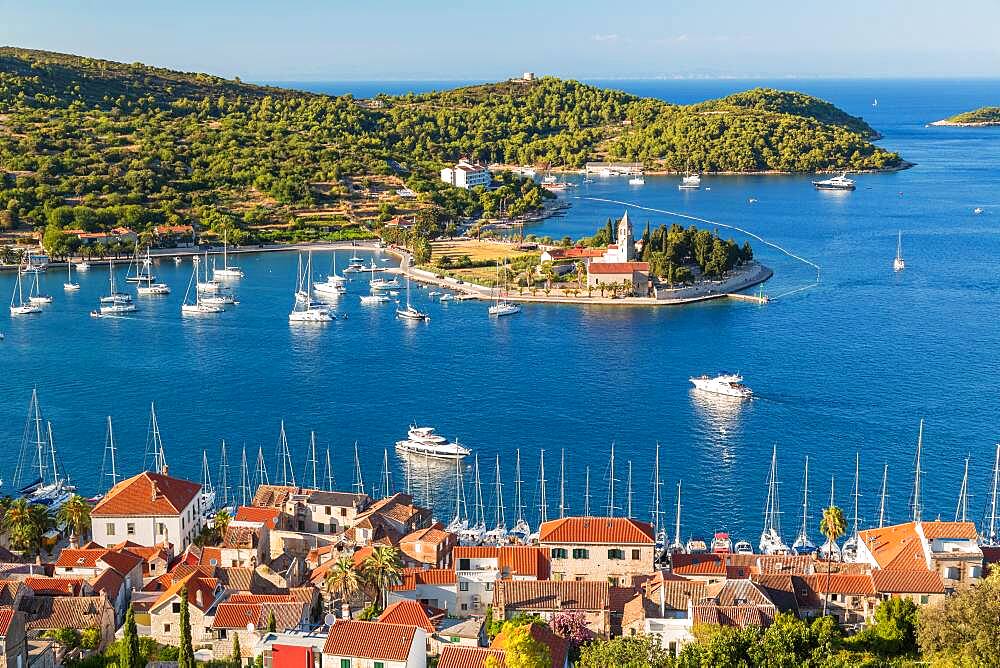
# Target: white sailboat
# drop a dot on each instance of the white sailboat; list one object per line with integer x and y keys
{"x": 69, "y": 285}
{"x": 333, "y": 286}
{"x": 410, "y": 312}
{"x": 677, "y": 546}
{"x": 989, "y": 535}
{"x": 849, "y": 552}
{"x": 770, "y": 538}
{"x": 305, "y": 309}
{"x": 18, "y": 304}
{"x": 146, "y": 284}
{"x": 198, "y": 305}
{"x": 208, "y": 286}
{"x": 227, "y": 271}
{"x": 521, "y": 528}
{"x": 114, "y": 303}
{"x": 475, "y": 533}
{"x": 802, "y": 544}
{"x": 35, "y": 295}
{"x": 498, "y": 534}
{"x": 502, "y": 307}
{"x": 899, "y": 264}
{"x": 143, "y": 269}
{"x": 207, "y": 499}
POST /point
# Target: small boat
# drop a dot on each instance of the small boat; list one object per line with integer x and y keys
{"x": 637, "y": 181}
{"x": 198, "y": 306}
{"x": 447, "y": 297}
{"x": 226, "y": 271}
{"x": 722, "y": 543}
{"x": 384, "y": 284}
{"x": 82, "y": 266}
{"x": 839, "y": 182}
{"x": 502, "y": 307}
{"x": 146, "y": 285}
{"x": 375, "y": 299}
{"x": 69, "y": 285}
{"x": 690, "y": 181}
{"x": 433, "y": 293}
{"x": 115, "y": 303}
{"x": 899, "y": 264}
{"x": 752, "y": 200}
{"x": 409, "y": 312}
{"x": 695, "y": 546}
{"x": 35, "y": 295}
{"x": 305, "y": 309}
{"x": 424, "y": 442}
{"x": 730, "y": 385}
{"x": 743, "y": 547}
{"x": 222, "y": 299}
{"x": 178, "y": 259}
{"x": 18, "y": 304}
{"x": 978, "y": 210}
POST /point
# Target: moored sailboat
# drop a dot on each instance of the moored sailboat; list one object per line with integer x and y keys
{"x": 770, "y": 538}
{"x": 802, "y": 544}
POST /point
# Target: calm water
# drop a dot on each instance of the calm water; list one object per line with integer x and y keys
{"x": 847, "y": 366}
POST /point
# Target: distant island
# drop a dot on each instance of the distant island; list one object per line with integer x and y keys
{"x": 89, "y": 146}
{"x": 982, "y": 117}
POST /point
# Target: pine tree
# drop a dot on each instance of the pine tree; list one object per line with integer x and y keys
{"x": 185, "y": 654}
{"x": 237, "y": 658}
{"x": 129, "y": 655}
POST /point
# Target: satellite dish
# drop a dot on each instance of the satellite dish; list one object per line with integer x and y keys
{"x": 213, "y": 562}
{"x": 330, "y": 619}
{"x": 250, "y": 627}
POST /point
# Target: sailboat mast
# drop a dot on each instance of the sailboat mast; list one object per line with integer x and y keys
{"x": 656, "y": 491}
{"x": 543, "y": 506}
{"x": 206, "y": 475}
{"x": 39, "y": 435}
{"x": 961, "y": 510}
{"x": 857, "y": 494}
{"x": 993, "y": 502}
{"x": 245, "y": 496}
{"x": 458, "y": 490}
{"x": 52, "y": 452}
{"x": 611, "y": 483}
{"x": 562, "y": 484}
{"x": 881, "y": 504}
{"x": 586, "y": 494}
{"x": 517, "y": 483}
{"x": 329, "y": 472}
{"x": 480, "y": 508}
{"x": 312, "y": 459}
{"x": 262, "y": 478}
{"x": 677, "y": 526}
{"x": 386, "y": 474}
{"x": 628, "y": 509}
{"x": 804, "y": 531}
{"x": 915, "y": 516}
{"x": 501, "y": 520}
{"x": 359, "y": 483}
{"x": 224, "y": 475}
{"x": 111, "y": 451}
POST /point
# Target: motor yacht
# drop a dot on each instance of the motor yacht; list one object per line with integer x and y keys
{"x": 839, "y": 182}
{"x": 730, "y": 385}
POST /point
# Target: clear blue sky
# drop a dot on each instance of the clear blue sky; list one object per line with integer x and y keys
{"x": 284, "y": 40}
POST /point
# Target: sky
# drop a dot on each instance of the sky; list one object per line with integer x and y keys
{"x": 298, "y": 40}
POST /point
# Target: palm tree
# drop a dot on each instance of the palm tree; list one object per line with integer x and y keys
{"x": 343, "y": 581}
{"x": 21, "y": 524}
{"x": 75, "y": 515}
{"x": 383, "y": 570}
{"x": 220, "y": 521}
{"x": 833, "y": 526}
{"x": 581, "y": 271}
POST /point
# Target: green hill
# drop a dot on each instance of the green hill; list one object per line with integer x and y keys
{"x": 146, "y": 145}
{"x": 981, "y": 116}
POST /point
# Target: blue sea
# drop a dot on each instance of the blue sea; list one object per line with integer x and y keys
{"x": 843, "y": 366}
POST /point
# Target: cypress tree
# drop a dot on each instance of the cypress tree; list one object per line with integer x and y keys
{"x": 272, "y": 623}
{"x": 185, "y": 654}
{"x": 237, "y": 651}
{"x": 129, "y": 656}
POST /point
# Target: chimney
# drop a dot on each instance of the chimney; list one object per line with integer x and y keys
{"x": 199, "y": 599}
{"x": 663, "y": 600}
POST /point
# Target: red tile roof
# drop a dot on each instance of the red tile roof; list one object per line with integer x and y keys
{"x": 594, "y": 530}
{"x": 147, "y": 494}
{"x": 79, "y": 558}
{"x": 370, "y": 640}
{"x": 740, "y": 616}
{"x": 521, "y": 560}
{"x": 196, "y": 583}
{"x": 840, "y": 583}
{"x": 907, "y": 582}
{"x": 287, "y": 615}
{"x": 425, "y": 576}
{"x": 617, "y": 267}
{"x": 576, "y": 252}
{"x": 698, "y": 564}
{"x": 6, "y": 614}
{"x": 268, "y": 516}
{"x": 409, "y": 613}
{"x": 109, "y": 582}
{"x": 553, "y": 595}
{"x": 896, "y": 547}
{"x": 43, "y": 586}
{"x": 961, "y": 530}
{"x": 459, "y": 656}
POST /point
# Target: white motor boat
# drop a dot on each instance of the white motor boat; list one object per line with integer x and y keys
{"x": 637, "y": 181}
{"x": 839, "y": 182}
{"x": 730, "y": 385}
{"x": 743, "y": 547}
{"x": 223, "y": 299}
{"x": 82, "y": 266}
{"x": 690, "y": 182}
{"x": 424, "y": 442}
{"x": 117, "y": 308}
{"x": 375, "y": 299}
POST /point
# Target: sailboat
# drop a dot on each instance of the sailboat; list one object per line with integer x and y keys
{"x": 802, "y": 544}
{"x": 989, "y": 535}
{"x": 69, "y": 285}
{"x": 460, "y": 522}
{"x": 50, "y": 487}
{"x": 196, "y": 307}
{"x": 498, "y": 534}
{"x": 849, "y": 552}
{"x": 114, "y": 303}
{"x": 305, "y": 309}
{"x": 690, "y": 180}
{"x": 410, "y": 312}
{"x": 770, "y": 538}
{"x": 899, "y": 264}
{"x": 18, "y": 304}
{"x": 146, "y": 285}
{"x": 543, "y": 503}
{"x": 521, "y": 528}
{"x": 502, "y": 307}
{"x": 35, "y": 295}
{"x": 333, "y": 286}
{"x": 659, "y": 533}
{"x": 676, "y": 546}
{"x": 208, "y": 286}
{"x": 110, "y": 453}
{"x": 143, "y": 269}
{"x": 477, "y": 531}
{"x": 207, "y": 490}
{"x": 227, "y": 270}
{"x": 829, "y": 550}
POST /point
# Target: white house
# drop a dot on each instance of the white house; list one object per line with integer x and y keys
{"x": 148, "y": 509}
{"x": 477, "y": 569}
{"x": 466, "y": 175}
{"x": 358, "y": 644}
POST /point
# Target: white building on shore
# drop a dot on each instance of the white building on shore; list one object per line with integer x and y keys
{"x": 466, "y": 175}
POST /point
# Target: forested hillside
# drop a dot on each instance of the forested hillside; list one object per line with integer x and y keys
{"x": 144, "y": 145}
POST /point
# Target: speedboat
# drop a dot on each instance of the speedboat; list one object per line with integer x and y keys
{"x": 504, "y": 308}
{"x": 311, "y": 314}
{"x": 743, "y": 547}
{"x": 978, "y": 210}
{"x": 690, "y": 182}
{"x": 722, "y": 543}
{"x": 637, "y": 181}
{"x": 695, "y": 546}
{"x": 117, "y": 308}
{"x": 840, "y": 182}
{"x": 730, "y": 385}
{"x": 82, "y": 266}
{"x": 153, "y": 289}
{"x": 375, "y": 299}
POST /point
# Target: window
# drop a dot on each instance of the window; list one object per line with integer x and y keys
{"x": 463, "y": 564}
{"x": 302, "y": 525}
{"x": 489, "y": 586}
{"x": 558, "y": 553}
{"x": 465, "y": 606}
{"x": 327, "y": 509}
{"x": 130, "y": 528}
{"x": 463, "y": 586}
{"x": 166, "y": 628}
{"x": 636, "y": 555}
{"x": 222, "y": 634}
{"x": 343, "y": 512}
{"x": 379, "y": 664}
{"x": 320, "y": 527}
{"x": 161, "y": 528}
{"x": 616, "y": 554}
{"x": 581, "y": 553}
{"x": 110, "y": 528}
{"x": 924, "y": 599}
{"x": 345, "y": 663}
{"x": 175, "y": 607}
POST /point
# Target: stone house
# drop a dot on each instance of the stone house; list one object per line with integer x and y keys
{"x": 615, "y": 549}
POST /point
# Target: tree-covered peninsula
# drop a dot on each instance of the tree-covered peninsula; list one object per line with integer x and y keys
{"x": 977, "y": 118}
{"x": 87, "y": 143}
